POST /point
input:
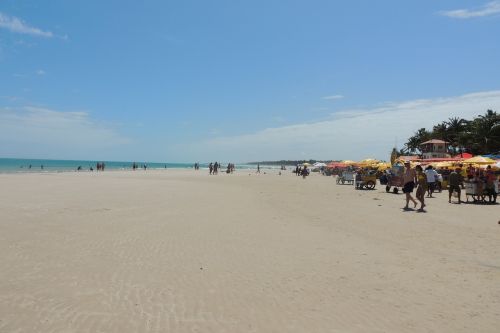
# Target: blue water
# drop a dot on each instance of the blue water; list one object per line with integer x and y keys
{"x": 23, "y": 165}
{"x": 13, "y": 165}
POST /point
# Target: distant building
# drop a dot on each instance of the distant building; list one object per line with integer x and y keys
{"x": 434, "y": 149}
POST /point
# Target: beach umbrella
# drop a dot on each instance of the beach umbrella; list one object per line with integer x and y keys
{"x": 441, "y": 165}
{"x": 333, "y": 165}
{"x": 369, "y": 161}
{"x": 464, "y": 156}
{"x": 348, "y": 162}
{"x": 479, "y": 160}
{"x": 319, "y": 164}
{"x": 383, "y": 166}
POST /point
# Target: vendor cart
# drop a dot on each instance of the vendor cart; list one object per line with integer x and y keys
{"x": 478, "y": 192}
{"x": 474, "y": 190}
{"x": 393, "y": 178}
{"x": 366, "y": 180}
{"x": 346, "y": 177}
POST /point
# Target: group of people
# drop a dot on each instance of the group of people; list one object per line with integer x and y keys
{"x": 301, "y": 171}
{"x": 136, "y": 166}
{"x": 213, "y": 168}
{"x": 100, "y": 166}
{"x": 230, "y": 168}
{"x": 429, "y": 180}
{"x": 418, "y": 178}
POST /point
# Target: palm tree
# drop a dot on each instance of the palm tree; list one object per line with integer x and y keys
{"x": 414, "y": 142}
{"x": 486, "y": 133}
{"x": 412, "y": 145}
{"x": 440, "y": 131}
{"x": 455, "y": 126}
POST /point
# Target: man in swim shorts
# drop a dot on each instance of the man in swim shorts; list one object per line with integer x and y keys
{"x": 454, "y": 181}
{"x": 409, "y": 181}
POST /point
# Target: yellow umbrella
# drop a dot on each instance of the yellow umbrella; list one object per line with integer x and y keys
{"x": 348, "y": 162}
{"x": 402, "y": 161}
{"x": 369, "y": 161}
{"x": 383, "y": 166}
{"x": 479, "y": 160}
{"x": 444, "y": 165}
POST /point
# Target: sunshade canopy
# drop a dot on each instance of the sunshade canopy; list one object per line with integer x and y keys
{"x": 479, "y": 160}
{"x": 333, "y": 165}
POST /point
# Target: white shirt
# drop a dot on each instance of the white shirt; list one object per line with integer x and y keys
{"x": 431, "y": 175}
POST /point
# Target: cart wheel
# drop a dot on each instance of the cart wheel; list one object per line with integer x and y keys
{"x": 395, "y": 190}
{"x": 387, "y": 188}
{"x": 343, "y": 182}
{"x": 370, "y": 185}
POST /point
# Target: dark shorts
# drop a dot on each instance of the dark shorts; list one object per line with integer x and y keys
{"x": 408, "y": 188}
{"x": 452, "y": 188}
{"x": 431, "y": 186}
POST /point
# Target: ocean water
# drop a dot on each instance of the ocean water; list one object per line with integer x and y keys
{"x": 9, "y": 165}
{"x": 15, "y": 165}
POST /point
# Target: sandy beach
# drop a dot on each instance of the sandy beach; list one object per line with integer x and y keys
{"x": 182, "y": 251}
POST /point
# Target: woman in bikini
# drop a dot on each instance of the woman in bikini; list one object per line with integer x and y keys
{"x": 421, "y": 186}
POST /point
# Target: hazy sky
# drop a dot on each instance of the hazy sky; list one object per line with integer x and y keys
{"x": 239, "y": 80}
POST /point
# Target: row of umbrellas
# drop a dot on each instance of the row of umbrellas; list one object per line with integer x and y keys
{"x": 376, "y": 164}
{"x": 368, "y": 162}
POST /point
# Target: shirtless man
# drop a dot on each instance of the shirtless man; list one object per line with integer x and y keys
{"x": 409, "y": 181}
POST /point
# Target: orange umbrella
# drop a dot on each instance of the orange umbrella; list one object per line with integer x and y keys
{"x": 333, "y": 165}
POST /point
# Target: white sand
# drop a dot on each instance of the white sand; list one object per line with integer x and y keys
{"x": 181, "y": 251}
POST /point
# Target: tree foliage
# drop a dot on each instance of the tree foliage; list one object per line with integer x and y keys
{"x": 478, "y": 136}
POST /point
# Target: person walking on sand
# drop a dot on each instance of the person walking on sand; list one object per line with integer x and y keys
{"x": 258, "y": 168}
{"x": 431, "y": 176}
{"x": 454, "y": 184}
{"x": 409, "y": 180}
{"x": 421, "y": 186}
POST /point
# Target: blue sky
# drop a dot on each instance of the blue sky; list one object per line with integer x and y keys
{"x": 239, "y": 80}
